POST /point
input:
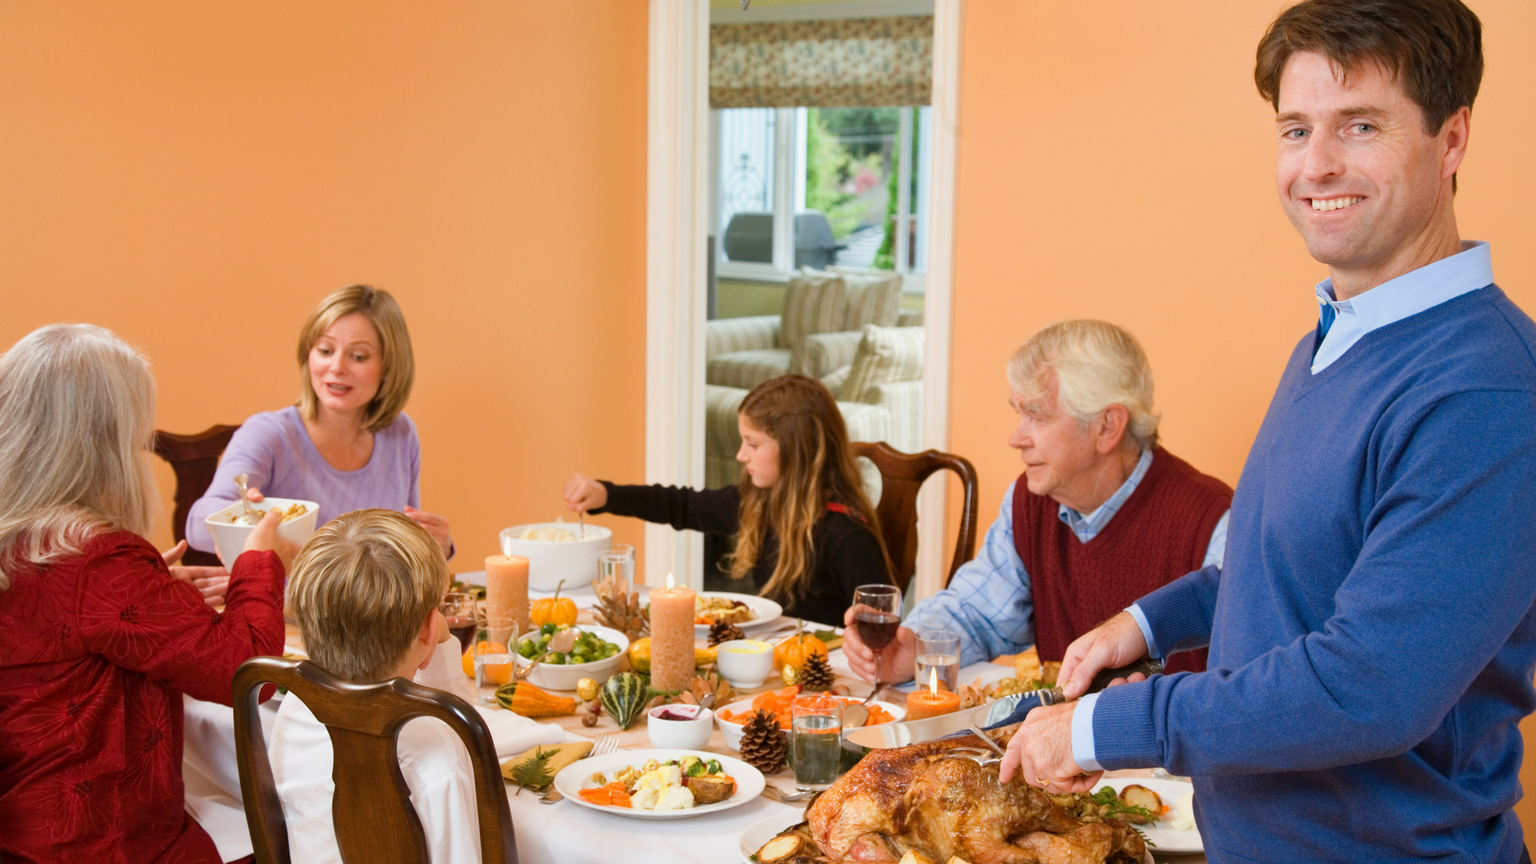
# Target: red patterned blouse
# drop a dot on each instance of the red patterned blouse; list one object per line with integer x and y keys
{"x": 95, "y": 653}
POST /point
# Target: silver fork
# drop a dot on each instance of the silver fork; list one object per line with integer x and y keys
{"x": 601, "y": 746}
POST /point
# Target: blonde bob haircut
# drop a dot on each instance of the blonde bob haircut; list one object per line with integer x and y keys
{"x": 384, "y": 314}
{"x": 77, "y": 409}
{"x": 361, "y": 588}
{"x": 1094, "y": 364}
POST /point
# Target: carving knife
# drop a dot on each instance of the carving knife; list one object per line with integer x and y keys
{"x": 1004, "y": 712}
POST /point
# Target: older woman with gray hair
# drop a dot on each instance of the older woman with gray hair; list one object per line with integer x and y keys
{"x": 97, "y": 639}
{"x": 1101, "y": 515}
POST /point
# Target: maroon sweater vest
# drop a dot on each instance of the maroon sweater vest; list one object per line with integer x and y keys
{"x": 1160, "y": 533}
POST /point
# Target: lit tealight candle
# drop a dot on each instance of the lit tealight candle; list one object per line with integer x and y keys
{"x": 933, "y": 701}
{"x": 672, "y": 613}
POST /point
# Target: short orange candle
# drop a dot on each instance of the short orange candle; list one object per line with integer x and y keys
{"x": 931, "y": 702}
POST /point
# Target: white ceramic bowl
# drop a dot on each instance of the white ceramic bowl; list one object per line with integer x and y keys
{"x": 548, "y": 563}
{"x": 229, "y": 538}
{"x": 552, "y": 677}
{"x": 691, "y": 734}
{"x": 730, "y": 730}
{"x": 745, "y": 669}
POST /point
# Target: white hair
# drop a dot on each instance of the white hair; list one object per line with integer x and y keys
{"x": 77, "y": 409}
{"x": 1094, "y": 364}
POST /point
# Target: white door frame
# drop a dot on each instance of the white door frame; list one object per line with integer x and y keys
{"x": 677, "y": 213}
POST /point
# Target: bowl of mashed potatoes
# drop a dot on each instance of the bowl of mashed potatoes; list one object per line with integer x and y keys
{"x": 557, "y": 551}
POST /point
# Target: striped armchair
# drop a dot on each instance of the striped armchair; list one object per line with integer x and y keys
{"x": 879, "y": 391}
{"x": 817, "y": 334}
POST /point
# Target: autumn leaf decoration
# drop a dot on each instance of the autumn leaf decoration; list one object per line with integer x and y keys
{"x": 533, "y": 772}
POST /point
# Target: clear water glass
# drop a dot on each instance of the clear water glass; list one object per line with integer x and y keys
{"x": 493, "y": 659}
{"x": 938, "y": 650}
{"x": 816, "y": 740}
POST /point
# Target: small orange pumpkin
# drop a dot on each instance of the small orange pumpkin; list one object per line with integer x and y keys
{"x": 797, "y": 649}
{"x": 553, "y": 610}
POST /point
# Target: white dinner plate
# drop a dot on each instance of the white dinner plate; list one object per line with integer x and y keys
{"x": 577, "y": 776}
{"x": 766, "y": 829}
{"x": 1168, "y": 840}
{"x": 765, "y": 613}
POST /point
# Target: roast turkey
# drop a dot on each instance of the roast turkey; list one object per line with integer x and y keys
{"x": 913, "y": 798}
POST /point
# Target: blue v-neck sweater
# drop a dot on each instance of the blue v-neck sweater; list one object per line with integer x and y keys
{"x": 1371, "y": 638}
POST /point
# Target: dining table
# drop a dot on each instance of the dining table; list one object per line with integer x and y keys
{"x": 568, "y": 833}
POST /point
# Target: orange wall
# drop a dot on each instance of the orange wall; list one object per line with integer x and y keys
{"x": 1115, "y": 162}
{"x": 197, "y": 176}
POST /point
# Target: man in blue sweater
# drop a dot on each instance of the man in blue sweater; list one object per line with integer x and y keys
{"x": 1371, "y": 638}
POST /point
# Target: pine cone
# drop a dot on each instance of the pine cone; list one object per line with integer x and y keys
{"x": 621, "y": 611}
{"x": 724, "y": 631}
{"x": 816, "y": 675}
{"x": 763, "y": 743}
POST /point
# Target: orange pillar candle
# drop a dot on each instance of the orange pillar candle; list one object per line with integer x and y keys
{"x": 506, "y": 592}
{"x": 932, "y": 701}
{"x": 672, "y": 616}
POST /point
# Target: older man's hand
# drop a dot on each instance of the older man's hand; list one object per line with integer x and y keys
{"x": 1041, "y": 753}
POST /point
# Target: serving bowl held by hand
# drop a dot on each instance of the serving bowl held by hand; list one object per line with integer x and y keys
{"x": 573, "y": 561}
{"x": 689, "y": 733}
{"x": 229, "y": 535}
{"x": 564, "y": 677}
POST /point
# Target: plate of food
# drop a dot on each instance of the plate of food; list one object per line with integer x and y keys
{"x": 660, "y": 784}
{"x": 760, "y": 832}
{"x": 1173, "y": 830}
{"x": 749, "y": 612}
{"x": 731, "y": 717}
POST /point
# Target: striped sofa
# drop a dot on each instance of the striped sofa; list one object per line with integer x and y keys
{"x": 879, "y": 390}
{"x": 824, "y": 314}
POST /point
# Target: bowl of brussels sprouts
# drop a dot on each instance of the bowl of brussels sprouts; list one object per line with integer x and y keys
{"x": 571, "y": 653}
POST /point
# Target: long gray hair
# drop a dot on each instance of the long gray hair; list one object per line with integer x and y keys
{"x": 77, "y": 409}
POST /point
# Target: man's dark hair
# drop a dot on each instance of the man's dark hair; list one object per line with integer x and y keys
{"x": 1434, "y": 47}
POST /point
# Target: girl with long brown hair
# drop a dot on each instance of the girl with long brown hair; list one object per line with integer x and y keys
{"x": 806, "y": 532}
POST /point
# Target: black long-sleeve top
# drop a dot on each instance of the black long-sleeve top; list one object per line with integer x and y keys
{"x": 846, "y": 551}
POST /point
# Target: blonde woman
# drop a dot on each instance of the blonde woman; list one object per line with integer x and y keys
{"x": 348, "y": 444}
{"x": 806, "y": 532}
{"x": 98, "y": 641}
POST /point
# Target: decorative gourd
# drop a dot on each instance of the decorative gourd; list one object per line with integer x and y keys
{"x": 796, "y": 650}
{"x": 623, "y": 697}
{"x": 553, "y": 610}
{"x": 525, "y": 699}
{"x": 640, "y": 654}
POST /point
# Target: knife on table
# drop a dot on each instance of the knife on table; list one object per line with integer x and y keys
{"x": 1004, "y": 712}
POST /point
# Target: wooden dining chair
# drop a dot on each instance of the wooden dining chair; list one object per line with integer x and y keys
{"x": 901, "y": 475}
{"x": 194, "y": 459}
{"x": 374, "y": 818}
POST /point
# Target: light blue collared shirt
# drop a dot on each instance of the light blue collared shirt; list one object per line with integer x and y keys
{"x": 1387, "y": 303}
{"x": 990, "y": 601}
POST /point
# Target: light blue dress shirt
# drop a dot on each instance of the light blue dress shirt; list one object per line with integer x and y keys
{"x": 1387, "y": 303}
{"x": 990, "y": 603}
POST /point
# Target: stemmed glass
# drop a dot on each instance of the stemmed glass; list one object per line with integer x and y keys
{"x": 459, "y": 609}
{"x": 877, "y": 614}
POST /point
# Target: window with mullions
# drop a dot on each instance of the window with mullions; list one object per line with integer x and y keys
{"x": 815, "y": 187}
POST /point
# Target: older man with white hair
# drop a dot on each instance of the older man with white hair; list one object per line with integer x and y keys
{"x": 1101, "y": 515}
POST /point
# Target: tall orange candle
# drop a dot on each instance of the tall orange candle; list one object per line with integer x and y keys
{"x": 932, "y": 701}
{"x": 671, "y": 637}
{"x": 506, "y": 592}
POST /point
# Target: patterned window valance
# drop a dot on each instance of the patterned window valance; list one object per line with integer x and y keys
{"x": 832, "y": 63}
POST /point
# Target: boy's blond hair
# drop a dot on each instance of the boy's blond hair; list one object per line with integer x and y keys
{"x": 361, "y": 588}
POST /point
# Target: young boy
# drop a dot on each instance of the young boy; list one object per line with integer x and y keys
{"x": 365, "y": 591}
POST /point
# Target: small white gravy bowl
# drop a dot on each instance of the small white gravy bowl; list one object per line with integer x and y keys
{"x": 691, "y": 733}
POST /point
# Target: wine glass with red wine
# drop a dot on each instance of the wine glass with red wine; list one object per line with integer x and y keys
{"x": 877, "y": 614}
{"x": 459, "y": 609}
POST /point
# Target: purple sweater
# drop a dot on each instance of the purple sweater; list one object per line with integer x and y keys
{"x": 273, "y": 448}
